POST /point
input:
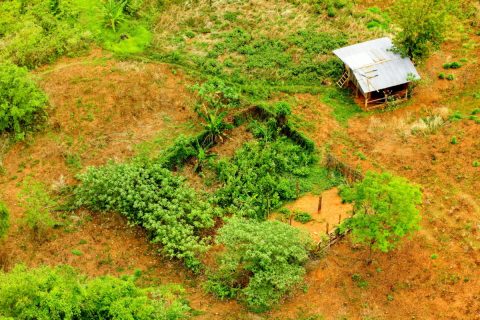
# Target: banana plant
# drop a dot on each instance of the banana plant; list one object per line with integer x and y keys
{"x": 114, "y": 13}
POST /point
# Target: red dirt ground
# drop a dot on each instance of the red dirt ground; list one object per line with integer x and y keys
{"x": 434, "y": 275}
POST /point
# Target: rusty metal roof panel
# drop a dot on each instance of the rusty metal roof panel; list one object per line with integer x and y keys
{"x": 375, "y": 66}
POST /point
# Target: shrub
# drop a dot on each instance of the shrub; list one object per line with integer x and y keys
{"x": 302, "y": 217}
{"x": 454, "y": 140}
{"x": 262, "y": 175}
{"x": 261, "y": 263}
{"x": 151, "y": 196}
{"x": 450, "y": 77}
{"x": 22, "y": 103}
{"x": 441, "y": 76}
{"x": 452, "y": 65}
{"x": 60, "y": 293}
{"x": 386, "y": 209}
{"x": 476, "y": 163}
{"x": 38, "y": 204}
{"x": 4, "y": 220}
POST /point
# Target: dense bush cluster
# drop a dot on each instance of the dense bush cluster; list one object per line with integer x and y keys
{"x": 262, "y": 175}
{"x": 151, "y": 196}
{"x": 21, "y": 101}
{"x": 61, "y": 294}
{"x": 262, "y": 262}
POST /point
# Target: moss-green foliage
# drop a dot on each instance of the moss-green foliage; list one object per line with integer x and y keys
{"x": 151, "y": 196}
{"x": 21, "y": 102}
{"x": 261, "y": 263}
{"x": 262, "y": 175}
{"x": 378, "y": 19}
{"x": 4, "y": 220}
{"x": 386, "y": 210}
{"x": 37, "y": 32}
{"x": 59, "y": 293}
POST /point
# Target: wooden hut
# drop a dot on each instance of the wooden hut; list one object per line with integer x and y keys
{"x": 375, "y": 71}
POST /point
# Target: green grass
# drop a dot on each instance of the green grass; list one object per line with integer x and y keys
{"x": 342, "y": 104}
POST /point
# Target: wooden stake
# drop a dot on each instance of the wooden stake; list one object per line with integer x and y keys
{"x": 339, "y": 218}
{"x": 319, "y": 204}
{"x": 327, "y": 227}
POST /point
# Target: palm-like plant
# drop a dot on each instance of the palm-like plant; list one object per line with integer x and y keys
{"x": 214, "y": 125}
{"x": 114, "y": 14}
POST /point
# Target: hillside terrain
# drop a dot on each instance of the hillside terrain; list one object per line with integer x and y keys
{"x": 174, "y": 140}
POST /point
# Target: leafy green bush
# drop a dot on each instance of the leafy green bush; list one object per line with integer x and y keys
{"x": 262, "y": 175}
{"x": 261, "y": 263}
{"x": 60, "y": 293}
{"x": 151, "y": 196}
{"x": 21, "y": 101}
{"x": 386, "y": 209}
{"x": 4, "y": 220}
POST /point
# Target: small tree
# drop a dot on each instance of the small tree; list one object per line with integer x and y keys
{"x": 37, "y": 204}
{"x": 386, "y": 210}
{"x": 422, "y": 24}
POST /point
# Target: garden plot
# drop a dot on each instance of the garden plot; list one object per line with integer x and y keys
{"x": 326, "y": 211}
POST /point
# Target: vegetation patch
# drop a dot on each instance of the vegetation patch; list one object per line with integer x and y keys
{"x": 262, "y": 175}
{"x": 61, "y": 293}
{"x": 151, "y": 196}
{"x": 261, "y": 263}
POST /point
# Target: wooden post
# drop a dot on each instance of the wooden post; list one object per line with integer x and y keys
{"x": 366, "y": 100}
{"x": 319, "y": 204}
{"x": 328, "y": 227}
{"x": 339, "y": 218}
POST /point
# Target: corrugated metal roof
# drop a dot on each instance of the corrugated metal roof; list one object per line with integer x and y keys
{"x": 375, "y": 66}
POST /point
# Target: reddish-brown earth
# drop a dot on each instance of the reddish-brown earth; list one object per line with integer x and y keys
{"x": 433, "y": 275}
